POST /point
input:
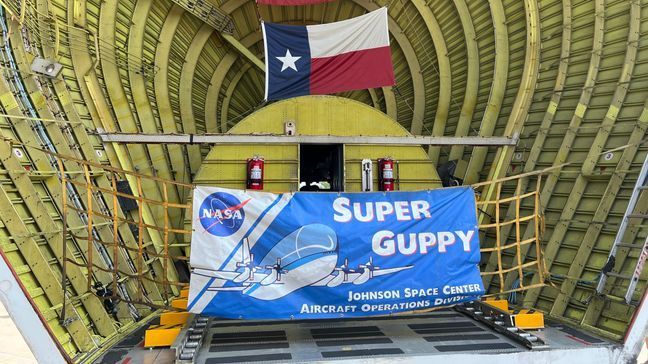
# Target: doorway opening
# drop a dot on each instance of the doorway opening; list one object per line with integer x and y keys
{"x": 321, "y": 167}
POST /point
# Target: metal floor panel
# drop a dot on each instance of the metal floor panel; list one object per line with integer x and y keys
{"x": 439, "y": 332}
{"x": 444, "y": 335}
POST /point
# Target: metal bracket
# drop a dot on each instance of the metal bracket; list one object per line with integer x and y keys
{"x": 68, "y": 321}
{"x": 367, "y": 175}
{"x": 502, "y": 322}
{"x": 190, "y": 339}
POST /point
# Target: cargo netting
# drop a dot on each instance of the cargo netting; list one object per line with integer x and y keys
{"x": 134, "y": 239}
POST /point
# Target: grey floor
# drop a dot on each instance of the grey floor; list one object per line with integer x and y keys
{"x": 438, "y": 333}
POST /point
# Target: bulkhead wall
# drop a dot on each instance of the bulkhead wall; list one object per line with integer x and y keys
{"x": 225, "y": 165}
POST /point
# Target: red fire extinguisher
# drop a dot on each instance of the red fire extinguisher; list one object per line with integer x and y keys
{"x": 386, "y": 174}
{"x": 255, "y": 173}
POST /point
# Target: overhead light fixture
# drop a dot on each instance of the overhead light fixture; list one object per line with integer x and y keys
{"x": 46, "y": 67}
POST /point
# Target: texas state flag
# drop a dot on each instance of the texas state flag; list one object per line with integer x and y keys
{"x": 322, "y": 59}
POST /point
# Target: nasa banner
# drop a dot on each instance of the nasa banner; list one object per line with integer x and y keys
{"x": 258, "y": 255}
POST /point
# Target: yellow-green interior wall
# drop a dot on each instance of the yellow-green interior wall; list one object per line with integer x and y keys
{"x": 225, "y": 165}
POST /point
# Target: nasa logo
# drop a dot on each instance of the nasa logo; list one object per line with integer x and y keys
{"x": 221, "y": 214}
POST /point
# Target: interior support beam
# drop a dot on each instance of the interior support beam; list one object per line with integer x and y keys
{"x": 552, "y": 247}
{"x": 245, "y": 52}
{"x": 543, "y": 131}
{"x": 142, "y": 103}
{"x": 609, "y": 196}
{"x": 84, "y": 68}
{"x": 31, "y": 252}
{"x": 214, "y": 91}
{"x": 497, "y": 92}
{"x": 44, "y": 107}
{"x": 208, "y": 13}
{"x": 86, "y": 148}
{"x": 595, "y": 308}
{"x": 228, "y": 95}
{"x": 524, "y": 97}
{"x": 142, "y": 138}
{"x": 472, "y": 79}
{"x": 444, "y": 74}
{"x": 186, "y": 95}
{"x": 180, "y": 166}
{"x": 213, "y": 94}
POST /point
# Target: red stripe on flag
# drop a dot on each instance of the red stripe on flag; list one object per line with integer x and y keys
{"x": 291, "y": 2}
{"x": 358, "y": 70}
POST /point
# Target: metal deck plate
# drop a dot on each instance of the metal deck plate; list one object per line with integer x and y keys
{"x": 441, "y": 334}
{"x": 298, "y": 341}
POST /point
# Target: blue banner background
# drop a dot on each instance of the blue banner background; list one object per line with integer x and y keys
{"x": 307, "y": 220}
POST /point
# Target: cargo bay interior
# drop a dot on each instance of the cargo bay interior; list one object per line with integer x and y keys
{"x": 92, "y": 85}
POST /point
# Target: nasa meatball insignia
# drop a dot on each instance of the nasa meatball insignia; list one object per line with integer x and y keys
{"x": 221, "y": 214}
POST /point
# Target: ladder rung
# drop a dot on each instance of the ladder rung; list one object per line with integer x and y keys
{"x": 637, "y": 216}
{"x": 631, "y": 246}
{"x": 617, "y": 275}
{"x": 614, "y": 298}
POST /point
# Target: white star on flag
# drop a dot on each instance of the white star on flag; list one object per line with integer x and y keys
{"x": 288, "y": 61}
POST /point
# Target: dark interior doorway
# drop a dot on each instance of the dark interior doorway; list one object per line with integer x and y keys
{"x": 321, "y": 167}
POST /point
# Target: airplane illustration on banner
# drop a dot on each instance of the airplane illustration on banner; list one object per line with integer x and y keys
{"x": 306, "y": 257}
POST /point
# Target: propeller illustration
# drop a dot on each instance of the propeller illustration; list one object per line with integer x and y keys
{"x": 342, "y": 275}
{"x": 248, "y": 270}
{"x": 367, "y": 272}
{"x": 275, "y": 273}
